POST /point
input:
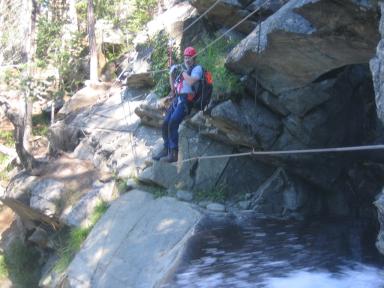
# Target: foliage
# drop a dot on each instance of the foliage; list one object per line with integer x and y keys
{"x": 4, "y": 173}
{"x": 66, "y": 56}
{"x": 69, "y": 246}
{"x": 219, "y": 194}
{"x": 103, "y": 9}
{"x": 10, "y": 77}
{"x": 40, "y": 124}
{"x": 159, "y": 61}
{"x": 157, "y": 191}
{"x": 121, "y": 185}
{"x": 20, "y": 262}
{"x": 48, "y": 39}
{"x": 144, "y": 10}
{"x": 213, "y": 59}
{"x": 3, "y": 158}
{"x": 6, "y": 138}
{"x": 3, "y": 267}
{"x": 68, "y": 60}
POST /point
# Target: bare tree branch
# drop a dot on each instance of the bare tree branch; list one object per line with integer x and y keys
{"x": 27, "y": 160}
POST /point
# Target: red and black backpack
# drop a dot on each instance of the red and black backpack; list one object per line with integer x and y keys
{"x": 203, "y": 89}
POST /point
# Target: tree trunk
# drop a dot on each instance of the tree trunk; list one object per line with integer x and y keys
{"x": 92, "y": 43}
{"x": 31, "y": 52}
{"x": 26, "y": 159}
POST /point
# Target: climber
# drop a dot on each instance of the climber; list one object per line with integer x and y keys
{"x": 182, "y": 88}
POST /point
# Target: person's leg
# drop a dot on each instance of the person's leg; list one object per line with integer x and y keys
{"x": 174, "y": 123}
{"x": 165, "y": 129}
{"x": 165, "y": 126}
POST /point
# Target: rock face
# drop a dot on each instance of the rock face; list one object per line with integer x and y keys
{"x": 376, "y": 67}
{"x": 137, "y": 243}
{"x": 305, "y": 39}
{"x": 229, "y": 13}
{"x": 281, "y": 195}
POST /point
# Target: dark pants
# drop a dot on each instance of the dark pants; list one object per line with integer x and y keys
{"x": 175, "y": 114}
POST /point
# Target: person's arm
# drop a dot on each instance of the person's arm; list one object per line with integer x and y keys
{"x": 190, "y": 79}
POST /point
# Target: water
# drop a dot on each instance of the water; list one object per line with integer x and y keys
{"x": 276, "y": 254}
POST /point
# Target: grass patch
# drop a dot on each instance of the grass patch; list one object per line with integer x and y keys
{"x": 219, "y": 194}
{"x": 6, "y": 138}
{"x": 20, "y": 264}
{"x": 156, "y": 191}
{"x": 40, "y": 124}
{"x": 3, "y": 158}
{"x": 4, "y": 173}
{"x": 70, "y": 242}
{"x": 121, "y": 185}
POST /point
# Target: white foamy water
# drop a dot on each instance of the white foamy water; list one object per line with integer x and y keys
{"x": 363, "y": 277}
{"x": 270, "y": 254}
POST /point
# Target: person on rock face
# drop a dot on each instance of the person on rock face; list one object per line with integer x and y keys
{"x": 181, "y": 105}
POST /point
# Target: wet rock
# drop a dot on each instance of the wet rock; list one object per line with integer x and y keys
{"x": 184, "y": 195}
{"x": 216, "y": 207}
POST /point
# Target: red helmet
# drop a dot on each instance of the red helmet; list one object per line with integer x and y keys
{"x": 190, "y": 51}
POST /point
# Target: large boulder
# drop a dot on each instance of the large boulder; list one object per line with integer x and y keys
{"x": 297, "y": 44}
{"x": 116, "y": 141}
{"x": 284, "y": 196}
{"x": 230, "y": 12}
{"x": 377, "y": 67}
{"x": 88, "y": 96}
{"x": 330, "y": 113}
{"x": 44, "y": 198}
{"x": 190, "y": 173}
{"x": 246, "y": 123}
{"x": 147, "y": 234}
{"x": 174, "y": 21}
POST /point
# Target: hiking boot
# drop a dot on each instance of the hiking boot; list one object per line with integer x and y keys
{"x": 163, "y": 153}
{"x": 172, "y": 156}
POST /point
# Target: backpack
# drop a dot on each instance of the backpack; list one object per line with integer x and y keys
{"x": 203, "y": 90}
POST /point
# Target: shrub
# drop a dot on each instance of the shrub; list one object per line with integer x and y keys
{"x": 144, "y": 10}
{"x": 48, "y": 38}
{"x": 21, "y": 265}
{"x": 159, "y": 61}
{"x": 6, "y": 138}
{"x": 225, "y": 83}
